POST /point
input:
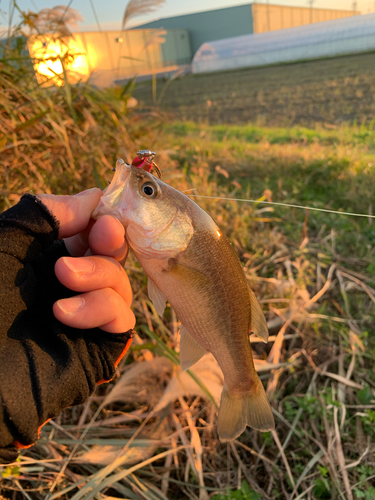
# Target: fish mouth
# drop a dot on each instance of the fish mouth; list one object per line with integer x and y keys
{"x": 117, "y": 195}
{"x": 120, "y": 178}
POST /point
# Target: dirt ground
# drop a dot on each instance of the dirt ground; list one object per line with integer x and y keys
{"x": 327, "y": 91}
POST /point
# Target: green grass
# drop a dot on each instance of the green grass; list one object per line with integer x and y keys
{"x": 317, "y": 168}
{"x": 309, "y": 404}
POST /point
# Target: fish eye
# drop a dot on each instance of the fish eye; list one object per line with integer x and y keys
{"x": 149, "y": 190}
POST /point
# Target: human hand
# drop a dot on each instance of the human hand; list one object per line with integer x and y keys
{"x": 98, "y": 249}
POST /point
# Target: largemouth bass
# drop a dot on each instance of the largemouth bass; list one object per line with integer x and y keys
{"x": 191, "y": 263}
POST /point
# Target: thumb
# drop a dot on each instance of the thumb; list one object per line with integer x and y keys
{"x": 73, "y": 212}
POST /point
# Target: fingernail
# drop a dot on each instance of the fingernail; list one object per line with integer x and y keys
{"x": 71, "y": 305}
{"x": 88, "y": 191}
{"x": 80, "y": 266}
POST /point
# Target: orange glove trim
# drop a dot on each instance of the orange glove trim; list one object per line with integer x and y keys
{"x": 103, "y": 381}
{"x": 21, "y": 446}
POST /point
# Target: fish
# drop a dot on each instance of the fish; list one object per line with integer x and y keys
{"x": 191, "y": 263}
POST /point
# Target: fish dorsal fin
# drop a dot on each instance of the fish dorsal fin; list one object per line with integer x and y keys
{"x": 258, "y": 322}
{"x": 156, "y": 296}
{"x": 190, "y": 350}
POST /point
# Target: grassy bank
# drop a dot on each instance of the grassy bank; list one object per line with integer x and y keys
{"x": 152, "y": 432}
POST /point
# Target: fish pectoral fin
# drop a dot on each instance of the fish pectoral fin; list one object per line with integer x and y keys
{"x": 156, "y": 296}
{"x": 258, "y": 321}
{"x": 188, "y": 274}
{"x": 190, "y": 350}
{"x": 239, "y": 410}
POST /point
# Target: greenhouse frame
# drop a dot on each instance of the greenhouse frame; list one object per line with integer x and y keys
{"x": 325, "y": 39}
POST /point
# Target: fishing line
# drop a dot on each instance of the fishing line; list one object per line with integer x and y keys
{"x": 284, "y": 205}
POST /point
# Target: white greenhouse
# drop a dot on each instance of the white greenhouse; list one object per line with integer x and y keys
{"x": 329, "y": 38}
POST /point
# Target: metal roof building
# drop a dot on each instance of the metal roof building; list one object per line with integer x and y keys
{"x": 244, "y": 20}
{"x": 327, "y": 39}
{"x": 109, "y": 56}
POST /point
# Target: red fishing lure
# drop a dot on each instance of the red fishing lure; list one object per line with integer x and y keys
{"x": 145, "y": 161}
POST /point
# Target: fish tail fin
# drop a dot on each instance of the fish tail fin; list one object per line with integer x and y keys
{"x": 239, "y": 410}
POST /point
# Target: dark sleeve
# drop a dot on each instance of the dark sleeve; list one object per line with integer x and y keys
{"x": 45, "y": 366}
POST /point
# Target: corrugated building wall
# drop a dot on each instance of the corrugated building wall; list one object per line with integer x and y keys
{"x": 209, "y": 25}
{"x": 277, "y": 17}
{"x": 176, "y": 50}
{"x": 246, "y": 19}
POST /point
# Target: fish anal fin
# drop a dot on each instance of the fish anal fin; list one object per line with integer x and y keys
{"x": 190, "y": 350}
{"x": 258, "y": 322}
{"x": 156, "y": 296}
{"x": 245, "y": 409}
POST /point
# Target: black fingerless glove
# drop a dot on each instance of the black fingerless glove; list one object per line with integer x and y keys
{"x": 45, "y": 366}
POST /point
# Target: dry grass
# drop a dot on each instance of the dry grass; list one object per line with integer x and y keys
{"x": 151, "y": 433}
{"x": 52, "y": 139}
